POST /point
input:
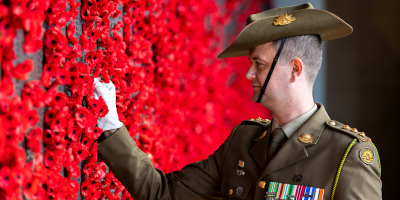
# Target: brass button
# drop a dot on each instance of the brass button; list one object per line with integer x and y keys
{"x": 332, "y": 123}
{"x": 261, "y": 184}
{"x": 346, "y": 127}
{"x": 259, "y": 119}
{"x": 354, "y": 130}
{"x": 231, "y": 191}
{"x": 252, "y": 119}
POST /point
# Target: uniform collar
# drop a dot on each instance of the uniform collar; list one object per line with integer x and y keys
{"x": 293, "y": 150}
{"x": 290, "y": 127}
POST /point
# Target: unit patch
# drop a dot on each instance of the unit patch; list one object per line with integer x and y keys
{"x": 367, "y": 155}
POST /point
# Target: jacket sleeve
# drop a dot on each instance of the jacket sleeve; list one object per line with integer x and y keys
{"x": 360, "y": 177}
{"x": 132, "y": 167}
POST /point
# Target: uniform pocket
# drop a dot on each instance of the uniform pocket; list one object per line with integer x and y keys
{"x": 235, "y": 187}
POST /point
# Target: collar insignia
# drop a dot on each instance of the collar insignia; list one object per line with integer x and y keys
{"x": 305, "y": 138}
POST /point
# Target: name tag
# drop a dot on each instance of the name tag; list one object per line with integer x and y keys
{"x": 278, "y": 191}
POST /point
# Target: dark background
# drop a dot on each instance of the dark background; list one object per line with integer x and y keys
{"x": 363, "y": 87}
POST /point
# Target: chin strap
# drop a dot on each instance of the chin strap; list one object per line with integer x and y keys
{"x": 271, "y": 70}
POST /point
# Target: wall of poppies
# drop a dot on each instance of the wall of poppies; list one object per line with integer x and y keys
{"x": 176, "y": 99}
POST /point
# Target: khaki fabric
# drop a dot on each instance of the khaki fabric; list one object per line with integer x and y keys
{"x": 213, "y": 177}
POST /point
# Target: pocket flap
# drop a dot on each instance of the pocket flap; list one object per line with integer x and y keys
{"x": 235, "y": 187}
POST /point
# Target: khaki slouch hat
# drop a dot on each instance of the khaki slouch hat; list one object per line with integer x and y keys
{"x": 285, "y": 22}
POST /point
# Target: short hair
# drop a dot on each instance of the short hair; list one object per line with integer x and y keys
{"x": 306, "y": 47}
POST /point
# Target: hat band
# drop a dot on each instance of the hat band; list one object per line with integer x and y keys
{"x": 271, "y": 70}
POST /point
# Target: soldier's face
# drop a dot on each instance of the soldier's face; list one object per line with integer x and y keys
{"x": 261, "y": 58}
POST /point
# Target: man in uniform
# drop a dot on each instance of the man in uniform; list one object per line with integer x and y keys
{"x": 300, "y": 154}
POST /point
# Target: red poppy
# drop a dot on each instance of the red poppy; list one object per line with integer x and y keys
{"x": 80, "y": 152}
{"x": 30, "y": 188}
{"x": 97, "y": 132}
{"x": 7, "y": 88}
{"x": 6, "y": 181}
{"x": 33, "y": 117}
{"x": 74, "y": 171}
{"x": 50, "y": 159}
{"x": 75, "y": 133}
{"x": 100, "y": 171}
{"x": 50, "y": 115}
{"x": 94, "y": 35}
{"x": 87, "y": 45}
{"x": 22, "y": 70}
{"x": 103, "y": 26}
{"x": 47, "y": 137}
{"x": 94, "y": 58}
{"x": 62, "y": 76}
{"x": 85, "y": 188}
{"x": 87, "y": 142}
{"x": 82, "y": 116}
{"x": 70, "y": 33}
{"x": 104, "y": 109}
{"x": 60, "y": 145}
{"x": 58, "y": 124}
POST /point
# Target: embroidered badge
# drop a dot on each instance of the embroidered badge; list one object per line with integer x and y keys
{"x": 305, "y": 138}
{"x": 284, "y": 20}
{"x": 367, "y": 155}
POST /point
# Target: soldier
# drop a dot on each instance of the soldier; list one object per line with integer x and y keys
{"x": 300, "y": 154}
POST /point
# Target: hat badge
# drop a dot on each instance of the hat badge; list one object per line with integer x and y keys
{"x": 284, "y": 20}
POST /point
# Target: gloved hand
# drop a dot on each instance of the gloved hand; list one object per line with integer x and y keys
{"x": 107, "y": 91}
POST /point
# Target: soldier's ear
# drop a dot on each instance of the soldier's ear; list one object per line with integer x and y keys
{"x": 297, "y": 69}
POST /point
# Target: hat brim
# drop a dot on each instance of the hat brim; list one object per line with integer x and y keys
{"x": 308, "y": 22}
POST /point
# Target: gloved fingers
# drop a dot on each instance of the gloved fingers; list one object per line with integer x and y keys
{"x": 110, "y": 85}
{"x": 96, "y": 96}
{"x": 95, "y": 80}
{"x": 101, "y": 89}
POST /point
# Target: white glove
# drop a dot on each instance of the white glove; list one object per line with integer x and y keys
{"x": 107, "y": 91}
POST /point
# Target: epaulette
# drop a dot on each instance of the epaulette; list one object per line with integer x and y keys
{"x": 259, "y": 121}
{"x": 347, "y": 129}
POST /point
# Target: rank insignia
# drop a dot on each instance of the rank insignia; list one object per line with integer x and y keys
{"x": 239, "y": 190}
{"x": 240, "y": 172}
{"x": 305, "y": 138}
{"x": 241, "y": 164}
{"x": 367, "y": 155}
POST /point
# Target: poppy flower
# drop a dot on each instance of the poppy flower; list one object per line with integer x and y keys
{"x": 70, "y": 33}
{"x": 100, "y": 171}
{"x": 94, "y": 35}
{"x": 73, "y": 186}
{"x": 87, "y": 142}
{"x": 62, "y": 76}
{"x": 75, "y": 133}
{"x": 6, "y": 181}
{"x": 85, "y": 188}
{"x": 59, "y": 101}
{"x": 87, "y": 45}
{"x": 74, "y": 171}
{"x": 47, "y": 137}
{"x": 58, "y": 124}
{"x": 33, "y": 117}
{"x": 33, "y": 45}
{"x": 82, "y": 117}
{"x": 7, "y": 86}
{"x": 50, "y": 115}
{"x": 93, "y": 58}
{"x": 104, "y": 108}
{"x": 34, "y": 145}
{"x": 50, "y": 159}
{"x": 22, "y": 70}
{"x": 80, "y": 152}
{"x": 30, "y": 188}
{"x": 60, "y": 145}
{"x": 89, "y": 168}
{"x": 103, "y": 25}
{"x": 97, "y": 132}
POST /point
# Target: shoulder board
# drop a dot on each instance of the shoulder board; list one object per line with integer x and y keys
{"x": 348, "y": 130}
{"x": 260, "y": 122}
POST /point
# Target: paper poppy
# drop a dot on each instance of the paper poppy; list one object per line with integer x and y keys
{"x": 22, "y": 70}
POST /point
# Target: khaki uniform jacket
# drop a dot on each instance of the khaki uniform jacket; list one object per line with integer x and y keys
{"x": 213, "y": 178}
